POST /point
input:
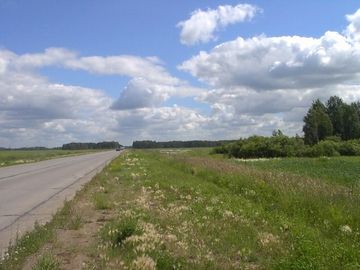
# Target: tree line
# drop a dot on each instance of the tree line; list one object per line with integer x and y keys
{"x": 88, "y": 145}
{"x": 335, "y": 118}
{"x": 330, "y": 129}
{"x": 177, "y": 144}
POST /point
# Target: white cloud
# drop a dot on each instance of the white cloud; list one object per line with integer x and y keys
{"x": 264, "y": 63}
{"x": 258, "y": 85}
{"x": 264, "y": 78}
{"x": 150, "y": 68}
{"x": 139, "y": 93}
{"x": 353, "y": 29}
{"x": 165, "y": 123}
{"x": 200, "y": 27}
{"x": 35, "y": 111}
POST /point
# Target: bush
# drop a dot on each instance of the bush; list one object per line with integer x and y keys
{"x": 280, "y": 145}
{"x": 264, "y": 147}
{"x": 324, "y": 148}
{"x": 350, "y": 148}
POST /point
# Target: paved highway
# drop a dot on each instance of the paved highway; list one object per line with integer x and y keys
{"x": 33, "y": 192}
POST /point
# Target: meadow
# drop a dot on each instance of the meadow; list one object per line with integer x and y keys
{"x": 14, "y": 157}
{"x": 187, "y": 209}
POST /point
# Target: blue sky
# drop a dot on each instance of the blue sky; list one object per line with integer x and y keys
{"x": 196, "y": 103}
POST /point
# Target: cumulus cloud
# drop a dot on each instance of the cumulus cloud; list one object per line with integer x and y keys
{"x": 139, "y": 93}
{"x": 257, "y": 85}
{"x": 353, "y": 29}
{"x": 202, "y": 25}
{"x": 262, "y": 77}
{"x": 35, "y": 111}
{"x": 164, "y": 123}
{"x": 150, "y": 84}
{"x": 142, "y": 93}
{"x": 288, "y": 62}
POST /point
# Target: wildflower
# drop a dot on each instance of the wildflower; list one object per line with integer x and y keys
{"x": 228, "y": 214}
{"x": 346, "y": 229}
{"x": 268, "y": 238}
{"x": 144, "y": 262}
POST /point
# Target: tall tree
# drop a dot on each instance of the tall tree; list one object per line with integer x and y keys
{"x": 351, "y": 122}
{"x": 335, "y": 110}
{"x": 317, "y": 123}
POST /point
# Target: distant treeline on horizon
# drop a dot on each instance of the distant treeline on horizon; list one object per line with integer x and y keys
{"x": 178, "y": 144}
{"x": 81, "y": 146}
{"x": 28, "y": 148}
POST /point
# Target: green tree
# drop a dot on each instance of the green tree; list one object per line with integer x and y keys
{"x": 335, "y": 110}
{"x": 351, "y": 122}
{"x": 317, "y": 123}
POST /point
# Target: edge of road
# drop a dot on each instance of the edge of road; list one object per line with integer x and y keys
{"x": 47, "y": 208}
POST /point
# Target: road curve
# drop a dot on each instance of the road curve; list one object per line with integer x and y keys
{"x": 33, "y": 192}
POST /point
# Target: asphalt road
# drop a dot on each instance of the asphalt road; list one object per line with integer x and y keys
{"x": 33, "y": 192}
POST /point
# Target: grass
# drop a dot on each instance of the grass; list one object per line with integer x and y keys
{"x": 14, "y": 157}
{"x": 46, "y": 262}
{"x": 197, "y": 212}
{"x": 189, "y": 210}
{"x": 33, "y": 241}
{"x": 342, "y": 170}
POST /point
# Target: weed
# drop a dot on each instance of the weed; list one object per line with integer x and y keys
{"x": 46, "y": 262}
{"x": 26, "y": 245}
{"x": 101, "y": 201}
{"x": 115, "y": 232}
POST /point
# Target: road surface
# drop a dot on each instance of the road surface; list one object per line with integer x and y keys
{"x": 33, "y": 192}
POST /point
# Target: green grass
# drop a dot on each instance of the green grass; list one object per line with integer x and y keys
{"x": 342, "y": 170}
{"x": 14, "y": 157}
{"x": 198, "y": 212}
{"x": 46, "y": 262}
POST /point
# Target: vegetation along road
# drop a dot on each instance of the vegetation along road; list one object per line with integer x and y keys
{"x": 34, "y": 191}
{"x": 186, "y": 209}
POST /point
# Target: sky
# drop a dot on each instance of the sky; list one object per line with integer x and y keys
{"x": 90, "y": 70}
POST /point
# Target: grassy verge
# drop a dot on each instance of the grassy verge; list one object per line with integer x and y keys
{"x": 32, "y": 242}
{"x": 14, "y": 157}
{"x": 180, "y": 210}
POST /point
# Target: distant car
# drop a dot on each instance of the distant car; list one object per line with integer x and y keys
{"x": 118, "y": 149}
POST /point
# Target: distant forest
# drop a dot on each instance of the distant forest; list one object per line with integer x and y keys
{"x": 100, "y": 145}
{"x": 178, "y": 144}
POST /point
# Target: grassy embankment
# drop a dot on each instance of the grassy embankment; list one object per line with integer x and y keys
{"x": 184, "y": 210}
{"x": 13, "y": 157}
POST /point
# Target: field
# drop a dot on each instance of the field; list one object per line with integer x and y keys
{"x": 186, "y": 209}
{"x": 341, "y": 170}
{"x": 14, "y": 157}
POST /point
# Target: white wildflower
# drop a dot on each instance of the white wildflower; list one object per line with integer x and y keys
{"x": 346, "y": 229}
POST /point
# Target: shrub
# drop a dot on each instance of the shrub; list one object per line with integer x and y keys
{"x": 280, "y": 145}
{"x": 264, "y": 147}
{"x": 324, "y": 148}
{"x": 350, "y": 148}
